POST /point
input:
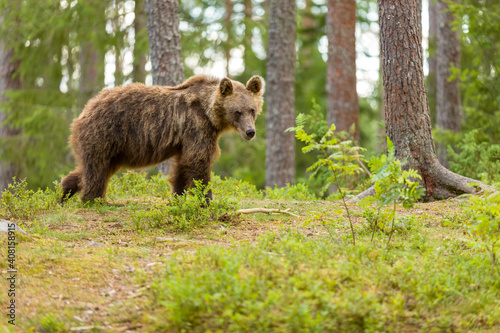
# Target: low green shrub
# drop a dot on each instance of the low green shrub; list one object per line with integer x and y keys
{"x": 182, "y": 213}
{"x": 234, "y": 188}
{"x": 482, "y": 220}
{"x": 19, "y": 202}
{"x": 476, "y": 157}
{"x": 289, "y": 282}
{"x": 137, "y": 184}
{"x": 393, "y": 186}
{"x": 297, "y": 192}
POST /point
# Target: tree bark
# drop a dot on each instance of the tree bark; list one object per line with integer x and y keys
{"x": 228, "y": 26}
{"x": 165, "y": 47}
{"x": 8, "y": 81}
{"x": 280, "y": 154}
{"x": 248, "y": 55}
{"x": 407, "y": 110}
{"x": 139, "y": 65}
{"x": 448, "y": 109}
{"x": 431, "y": 77}
{"x": 342, "y": 100}
{"x": 308, "y": 35}
{"x": 118, "y": 45}
{"x": 89, "y": 76}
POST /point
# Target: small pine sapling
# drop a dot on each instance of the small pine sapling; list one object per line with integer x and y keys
{"x": 392, "y": 185}
{"x": 339, "y": 158}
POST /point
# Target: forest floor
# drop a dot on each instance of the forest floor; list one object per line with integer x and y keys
{"x": 104, "y": 268}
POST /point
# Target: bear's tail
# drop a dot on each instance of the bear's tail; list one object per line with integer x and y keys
{"x": 71, "y": 184}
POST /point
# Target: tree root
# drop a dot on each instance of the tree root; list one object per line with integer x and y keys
{"x": 447, "y": 184}
{"x": 440, "y": 183}
{"x": 366, "y": 193}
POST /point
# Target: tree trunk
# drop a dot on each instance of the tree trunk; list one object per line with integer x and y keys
{"x": 280, "y": 153}
{"x": 139, "y": 66}
{"x": 448, "y": 110}
{"x": 407, "y": 110}
{"x": 89, "y": 77}
{"x": 118, "y": 45}
{"x": 228, "y": 26}
{"x": 309, "y": 37}
{"x": 165, "y": 47}
{"x": 431, "y": 77}
{"x": 248, "y": 55}
{"x": 7, "y": 82}
{"x": 343, "y": 107}
{"x": 119, "y": 77}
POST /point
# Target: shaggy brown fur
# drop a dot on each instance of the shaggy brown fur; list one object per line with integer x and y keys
{"x": 136, "y": 126}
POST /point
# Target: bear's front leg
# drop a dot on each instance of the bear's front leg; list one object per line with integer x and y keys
{"x": 204, "y": 176}
{"x": 187, "y": 171}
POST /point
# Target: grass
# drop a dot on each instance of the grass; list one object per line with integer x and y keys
{"x": 168, "y": 265}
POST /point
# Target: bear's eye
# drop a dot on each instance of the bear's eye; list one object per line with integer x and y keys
{"x": 253, "y": 111}
{"x": 238, "y": 113}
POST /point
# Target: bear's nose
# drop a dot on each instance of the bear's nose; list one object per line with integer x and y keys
{"x": 251, "y": 133}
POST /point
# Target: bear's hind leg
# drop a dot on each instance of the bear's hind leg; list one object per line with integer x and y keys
{"x": 95, "y": 181}
{"x": 71, "y": 184}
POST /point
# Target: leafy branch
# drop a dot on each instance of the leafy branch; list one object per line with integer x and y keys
{"x": 341, "y": 158}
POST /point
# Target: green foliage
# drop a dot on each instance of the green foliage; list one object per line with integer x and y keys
{"x": 234, "y": 188}
{"x": 40, "y": 151}
{"x": 392, "y": 185}
{"x": 340, "y": 158}
{"x": 482, "y": 219}
{"x": 50, "y": 39}
{"x": 288, "y": 282}
{"x": 315, "y": 124}
{"x": 479, "y": 22}
{"x": 181, "y": 213}
{"x": 380, "y": 219}
{"x": 52, "y": 324}
{"x": 19, "y": 202}
{"x": 137, "y": 184}
{"x": 298, "y": 192}
{"x": 475, "y": 157}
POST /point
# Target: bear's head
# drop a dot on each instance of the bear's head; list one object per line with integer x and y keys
{"x": 241, "y": 104}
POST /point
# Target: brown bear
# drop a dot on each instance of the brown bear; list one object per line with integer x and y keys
{"x": 137, "y": 126}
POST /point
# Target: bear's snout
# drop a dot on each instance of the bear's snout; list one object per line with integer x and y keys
{"x": 250, "y": 133}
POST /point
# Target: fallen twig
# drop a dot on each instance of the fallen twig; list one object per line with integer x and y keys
{"x": 363, "y": 166}
{"x": 264, "y": 210}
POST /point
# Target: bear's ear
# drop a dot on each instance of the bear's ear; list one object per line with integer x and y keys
{"x": 226, "y": 87}
{"x": 256, "y": 85}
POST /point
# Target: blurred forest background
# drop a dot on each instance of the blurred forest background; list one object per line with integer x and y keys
{"x": 56, "y": 54}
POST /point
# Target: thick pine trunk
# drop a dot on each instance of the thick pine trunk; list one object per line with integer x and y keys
{"x": 431, "y": 78}
{"x": 118, "y": 45}
{"x": 228, "y": 27}
{"x": 248, "y": 55}
{"x": 90, "y": 80}
{"x": 7, "y": 82}
{"x": 280, "y": 153}
{"x": 407, "y": 115}
{"x": 165, "y": 42}
{"x": 343, "y": 107}
{"x": 165, "y": 47}
{"x": 448, "y": 110}
{"x": 139, "y": 66}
